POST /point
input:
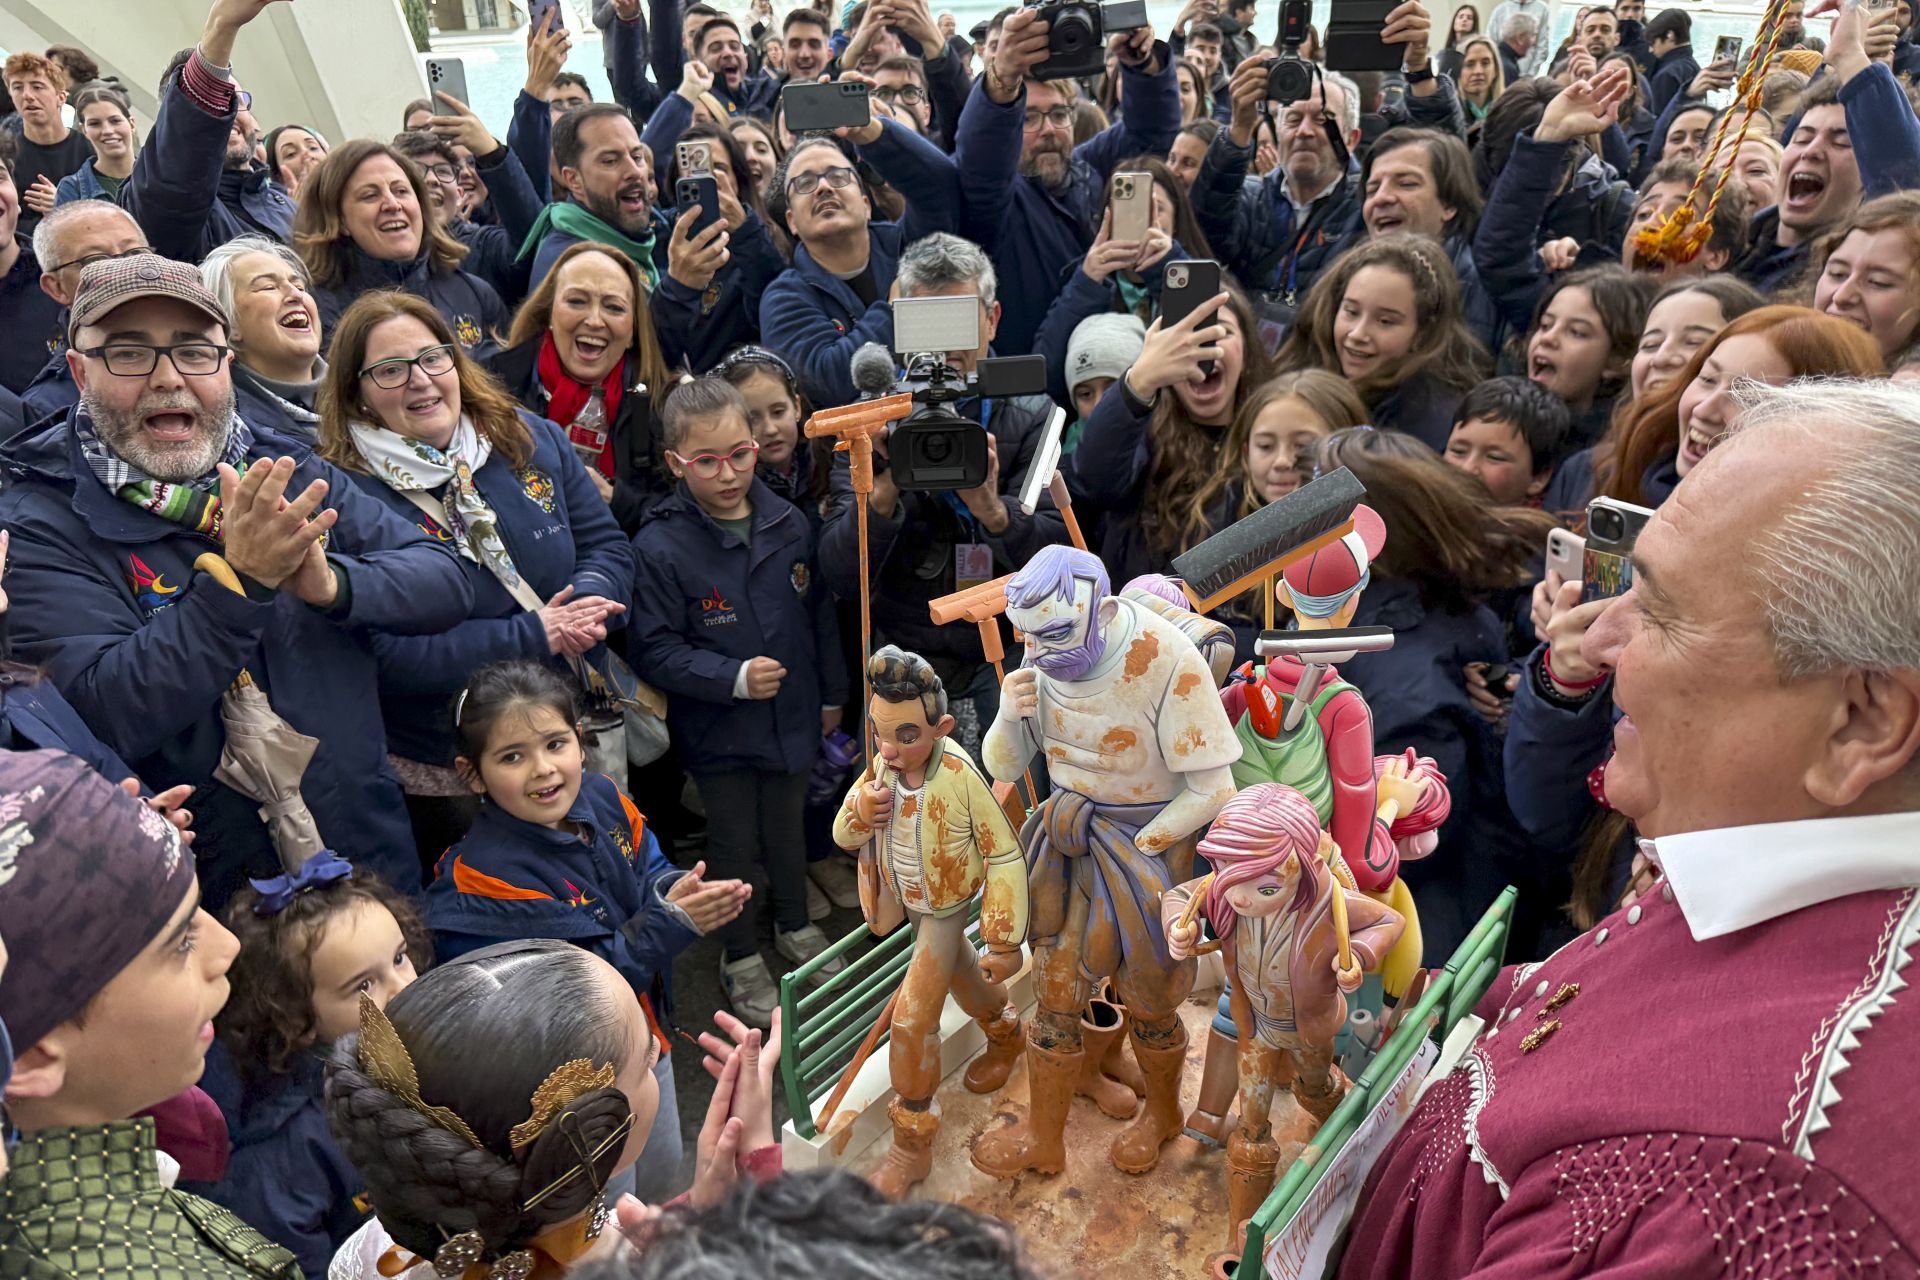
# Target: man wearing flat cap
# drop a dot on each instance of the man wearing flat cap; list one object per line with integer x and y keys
{"x": 122, "y": 513}
{"x": 116, "y": 974}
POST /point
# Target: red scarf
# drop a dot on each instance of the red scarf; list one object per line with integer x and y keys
{"x": 567, "y": 397}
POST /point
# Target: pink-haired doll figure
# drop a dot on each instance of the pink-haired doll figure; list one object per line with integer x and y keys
{"x": 1269, "y": 901}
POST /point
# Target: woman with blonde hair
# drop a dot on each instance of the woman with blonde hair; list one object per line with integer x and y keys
{"x": 423, "y": 428}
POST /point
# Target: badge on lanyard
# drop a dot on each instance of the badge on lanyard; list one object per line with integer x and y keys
{"x": 972, "y": 564}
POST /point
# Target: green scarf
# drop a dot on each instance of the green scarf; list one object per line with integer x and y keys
{"x": 571, "y": 219}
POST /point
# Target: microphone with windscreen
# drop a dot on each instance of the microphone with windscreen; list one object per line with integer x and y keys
{"x": 872, "y": 370}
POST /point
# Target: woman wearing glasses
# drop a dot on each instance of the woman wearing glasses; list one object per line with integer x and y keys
{"x": 427, "y": 431}
{"x": 583, "y": 353}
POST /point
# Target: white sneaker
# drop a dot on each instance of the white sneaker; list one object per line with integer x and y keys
{"x": 751, "y": 990}
{"x": 803, "y": 945}
{"x": 836, "y": 876}
{"x": 818, "y": 908}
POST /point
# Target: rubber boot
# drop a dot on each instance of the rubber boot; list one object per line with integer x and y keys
{"x": 1103, "y": 1025}
{"x": 988, "y": 1073}
{"x": 1118, "y": 1065}
{"x": 1209, "y": 1121}
{"x": 1251, "y": 1169}
{"x": 1321, "y": 1105}
{"x": 1137, "y": 1149}
{"x": 1037, "y": 1142}
{"x": 910, "y": 1159}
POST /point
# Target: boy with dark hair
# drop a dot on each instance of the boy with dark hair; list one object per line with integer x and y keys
{"x": 732, "y": 622}
{"x": 1509, "y": 433}
{"x": 1669, "y": 39}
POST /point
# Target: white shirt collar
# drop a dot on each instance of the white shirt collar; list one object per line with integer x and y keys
{"x": 1736, "y": 877}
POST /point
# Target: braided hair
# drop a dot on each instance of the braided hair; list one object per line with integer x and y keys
{"x": 484, "y": 1031}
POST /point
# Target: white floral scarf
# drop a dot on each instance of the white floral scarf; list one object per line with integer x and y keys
{"x": 411, "y": 465}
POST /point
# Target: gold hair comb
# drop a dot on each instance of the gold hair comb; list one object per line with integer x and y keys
{"x": 566, "y": 1082}
{"x": 384, "y": 1057}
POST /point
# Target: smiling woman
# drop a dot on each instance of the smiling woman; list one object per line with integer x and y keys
{"x": 106, "y": 118}
{"x": 275, "y": 333}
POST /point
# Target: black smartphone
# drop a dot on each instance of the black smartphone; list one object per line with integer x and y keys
{"x": 1612, "y": 529}
{"x": 842, "y": 104}
{"x": 1353, "y": 37}
{"x": 1190, "y": 285}
{"x": 702, "y": 190}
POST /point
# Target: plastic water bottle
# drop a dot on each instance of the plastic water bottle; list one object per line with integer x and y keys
{"x": 590, "y": 431}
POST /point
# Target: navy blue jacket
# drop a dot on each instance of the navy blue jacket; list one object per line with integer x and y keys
{"x": 910, "y": 557}
{"x": 816, "y": 320}
{"x": 493, "y": 251}
{"x": 1422, "y": 407}
{"x": 34, "y": 717}
{"x": 530, "y": 138}
{"x": 604, "y": 891}
{"x": 33, "y": 322}
{"x": 52, "y": 391}
{"x": 180, "y": 193}
{"x": 558, "y": 532}
{"x": 261, "y": 408}
{"x": 471, "y": 306}
{"x": 286, "y": 1178}
{"x": 1572, "y": 486}
{"x": 1107, "y": 473}
{"x": 1081, "y": 296}
{"x": 1520, "y": 207}
{"x": 704, "y": 603}
{"x": 757, "y": 91}
{"x": 1033, "y": 233}
{"x": 143, "y": 645}
{"x": 1672, "y": 74}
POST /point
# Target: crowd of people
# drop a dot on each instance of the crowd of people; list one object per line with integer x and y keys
{"x": 435, "y": 619}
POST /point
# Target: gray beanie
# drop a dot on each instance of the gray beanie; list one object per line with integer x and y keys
{"x": 1104, "y": 346}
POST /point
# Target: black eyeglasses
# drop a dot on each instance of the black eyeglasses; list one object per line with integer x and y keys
{"x": 137, "y": 360}
{"x": 1058, "y": 117}
{"x": 84, "y": 262}
{"x": 805, "y": 184}
{"x": 246, "y": 100}
{"x": 911, "y": 94}
{"x": 391, "y": 375}
{"x": 442, "y": 173}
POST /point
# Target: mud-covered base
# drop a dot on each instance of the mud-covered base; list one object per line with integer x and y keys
{"x": 1092, "y": 1220}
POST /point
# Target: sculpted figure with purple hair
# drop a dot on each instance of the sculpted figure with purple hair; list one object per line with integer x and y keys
{"x": 1270, "y": 902}
{"x": 1139, "y": 752}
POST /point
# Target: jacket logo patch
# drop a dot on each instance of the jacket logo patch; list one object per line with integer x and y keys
{"x": 150, "y": 589}
{"x": 538, "y": 486}
{"x": 801, "y": 576}
{"x": 715, "y": 611}
{"x": 434, "y": 529}
{"x": 576, "y": 896}
{"x": 467, "y": 331}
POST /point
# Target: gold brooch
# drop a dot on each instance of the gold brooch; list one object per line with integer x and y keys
{"x": 1539, "y": 1036}
{"x": 1567, "y": 991}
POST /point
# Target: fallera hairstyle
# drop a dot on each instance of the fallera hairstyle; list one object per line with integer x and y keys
{"x": 484, "y": 1032}
{"x": 501, "y": 689}
{"x": 1186, "y": 224}
{"x": 698, "y": 400}
{"x": 568, "y": 145}
{"x": 645, "y": 360}
{"x": 1261, "y": 829}
{"x": 320, "y": 229}
{"x": 1900, "y": 212}
{"x": 269, "y": 1019}
{"x": 495, "y": 415}
{"x": 1445, "y": 537}
{"x": 1444, "y": 348}
{"x": 820, "y": 1222}
{"x": 1812, "y": 344}
{"x": 1499, "y": 83}
{"x": 899, "y": 676}
{"x": 1536, "y": 415}
{"x": 1332, "y": 400}
{"x": 1184, "y": 454}
{"x": 272, "y": 144}
{"x": 1729, "y": 234}
{"x": 1054, "y": 573}
{"x": 1451, "y": 165}
{"x": 1435, "y": 803}
{"x": 1620, "y": 298}
{"x": 24, "y": 64}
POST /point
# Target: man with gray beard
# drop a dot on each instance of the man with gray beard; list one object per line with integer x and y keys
{"x": 131, "y": 512}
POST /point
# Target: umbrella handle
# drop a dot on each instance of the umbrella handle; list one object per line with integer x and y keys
{"x": 217, "y": 568}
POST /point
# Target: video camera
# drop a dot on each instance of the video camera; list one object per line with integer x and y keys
{"x": 1077, "y": 32}
{"x": 935, "y": 448}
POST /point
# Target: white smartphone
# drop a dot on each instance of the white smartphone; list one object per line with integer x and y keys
{"x": 1132, "y": 205}
{"x": 1045, "y": 462}
{"x": 1566, "y": 554}
{"x": 695, "y": 157}
{"x": 448, "y": 76}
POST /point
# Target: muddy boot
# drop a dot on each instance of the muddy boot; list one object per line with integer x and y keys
{"x": 988, "y": 1073}
{"x": 1103, "y": 1025}
{"x": 1320, "y": 1104}
{"x": 1209, "y": 1121}
{"x": 1118, "y": 1065}
{"x": 1037, "y": 1142}
{"x": 910, "y": 1159}
{"x": 1251, "y": 1167}
{"x": 1137, "y": 1149}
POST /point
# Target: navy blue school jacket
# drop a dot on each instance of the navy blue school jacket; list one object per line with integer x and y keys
{"x": 34, "y": 717}
{"x": 106, "y": 599}
{"x": 181, "y": 194}
{"x": 471, "y": 307}
{"x": 285, "y": 1178}
{"x": 604, "y": 890}
{"x": 558, "y": 532}
{"x": 704, "y": 603}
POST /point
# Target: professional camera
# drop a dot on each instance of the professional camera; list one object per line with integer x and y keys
{"x": 1290, "y": 76}
{"x": 935, "y": 447}
{"x": 1077, "y": 32}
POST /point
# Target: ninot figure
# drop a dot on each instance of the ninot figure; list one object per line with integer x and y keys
{"x": 1138, "y": 749}
{"x": 931, "y": 837}
{"x": 1270, "y": 902}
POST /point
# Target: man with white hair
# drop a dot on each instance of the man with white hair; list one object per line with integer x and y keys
{"x": 1519, "y": 41}
{"x": 1716, "y": 1080}
{"x": 1500, "y": 22}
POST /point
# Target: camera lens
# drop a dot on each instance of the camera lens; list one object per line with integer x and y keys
{"x": 936, "y": 448}
{"x": 1608, "y": 525}
{"x": 1071, "y": 31}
